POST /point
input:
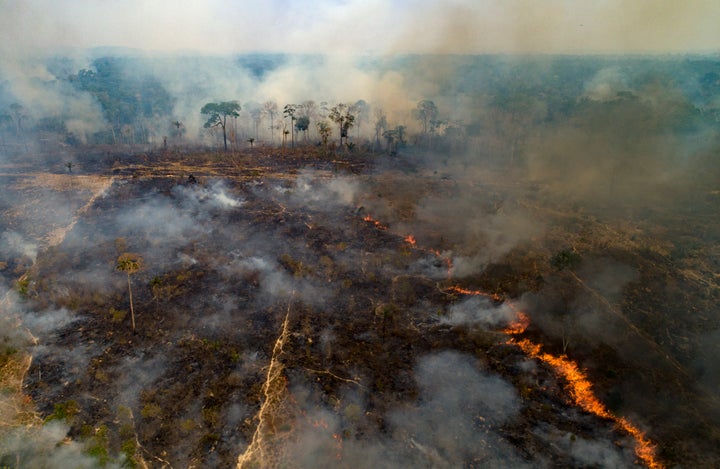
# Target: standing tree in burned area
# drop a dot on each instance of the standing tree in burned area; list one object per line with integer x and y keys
{"x": 130, "y": 263}
{"x": 218, "y": 114}
{"x": 342, "y": 114}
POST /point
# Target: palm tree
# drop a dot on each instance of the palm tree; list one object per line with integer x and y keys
{"x": 129, "y": 263}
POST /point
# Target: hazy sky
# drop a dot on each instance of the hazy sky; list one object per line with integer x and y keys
{"x": 364, "y": 26}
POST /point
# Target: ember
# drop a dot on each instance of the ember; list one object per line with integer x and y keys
{"x": 374, "y": 222}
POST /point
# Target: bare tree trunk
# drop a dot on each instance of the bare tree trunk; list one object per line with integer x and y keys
{"x": 132, "y": 311}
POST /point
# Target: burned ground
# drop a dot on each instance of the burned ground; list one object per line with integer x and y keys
{"x": 384, "y": 361}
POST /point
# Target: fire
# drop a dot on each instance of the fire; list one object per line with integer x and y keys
{"x": 338, "y": 446}
{"x": 578, "y": 385}
{"x": 465, "y": 291}
{"x": 519, "y": 325}
{"x": 580, "y": 390}
{"x": 374, "y": 222}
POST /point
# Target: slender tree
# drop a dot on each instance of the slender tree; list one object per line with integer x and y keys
{"x": 271, "y": 109}
{"x": 381, "y": 125}
{"x": 425, "y": 112}
{"x": 324, "y": 131}
{"x": 309, "y": 109}
{"x": 361, "y": 110}
{"x": 342, "y": 115}
{"x": 179, "y": 129}
{"x": 18, "y": 113}
{"x": 289, "y": 111}
{"x": 129, "y": 263}
{"x": 218, "y": 114}
{"x": 256, "y": 116}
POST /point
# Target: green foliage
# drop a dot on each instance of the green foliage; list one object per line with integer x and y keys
{"x": 425, "y": 112}
{"x": 342, "y": 114}
{"x": 22, "y": 287}
{"x": 125, "y": 99}
{"x": 129, "y": 449}
{"x": 302, "y": 123}
{"x": 324, "y": 130}
{"x": 151, "y": 410}
{"x": 219, "y": 112}
{"x": 565, "y": 259}
{"x": 129, "y": 262}
{"x": 98, "y": 445}
{"x": 64, "y": 412}
{"x": 117, "y": 315}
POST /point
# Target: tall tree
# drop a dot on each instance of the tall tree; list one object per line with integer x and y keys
{"x": 271, "y": 109}
{"x": 129, "y": 263}
{"x": 179, "y": 129}
{"x": 381, "y": 125}
{"x": 301, "y": 124}
{"x": 218, "y": 114}
{"x": 309, "y": 109}
{"x": 324, "y": 131}
{"x": 289, "y": 111}
{"x": 342, "y": 115}
{"x": 18, "y": 113}
{"x": 425, "y": 112}
{"x": 361, "y": 110}
{"x": 255, "y": 111}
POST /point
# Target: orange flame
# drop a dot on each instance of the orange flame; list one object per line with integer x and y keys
{"x": 519, "y": 325}
{"x": 578, "y": 385}
{"x": 374, "y": 222}
{"x": 580, "y": 389}
{"x": 465, "y": 291}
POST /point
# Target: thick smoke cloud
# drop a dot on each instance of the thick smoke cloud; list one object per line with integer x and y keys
{"x": 460, "y": 26}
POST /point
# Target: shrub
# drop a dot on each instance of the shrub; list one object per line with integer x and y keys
{"x": 565, "y": 259}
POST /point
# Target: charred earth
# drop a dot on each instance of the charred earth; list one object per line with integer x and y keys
{"x": 310, "y": 309}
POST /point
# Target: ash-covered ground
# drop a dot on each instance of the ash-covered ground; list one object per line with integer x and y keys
{"x": 294, "y": 309}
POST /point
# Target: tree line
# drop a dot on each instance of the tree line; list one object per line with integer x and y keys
{"x": 337, "y": 120}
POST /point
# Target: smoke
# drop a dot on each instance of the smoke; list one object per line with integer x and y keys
{"x": 14, "y": 244}
{"x": 457, "y": 418}
{"x": 459, "y": 26}
{"x": 478, "y": 233}
{"x": 312, "y": 190}
{"x": 199, "y": 199}
{"x": 455, "y": 398}
{"x": 587, "y": 452}
{"x": 478, "y": 310}
{"x": 275, "y": 282}
{"x": 46, "y": 446}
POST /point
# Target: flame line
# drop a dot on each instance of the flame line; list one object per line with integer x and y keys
{"x": 578, "y": 385}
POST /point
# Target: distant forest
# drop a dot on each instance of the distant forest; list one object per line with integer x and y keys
{"x": 506, "y": 100}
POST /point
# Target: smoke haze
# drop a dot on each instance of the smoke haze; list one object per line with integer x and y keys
{"x": 559, "y": 156}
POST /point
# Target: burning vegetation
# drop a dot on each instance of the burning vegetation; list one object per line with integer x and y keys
{"x": 523, "y": 278}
